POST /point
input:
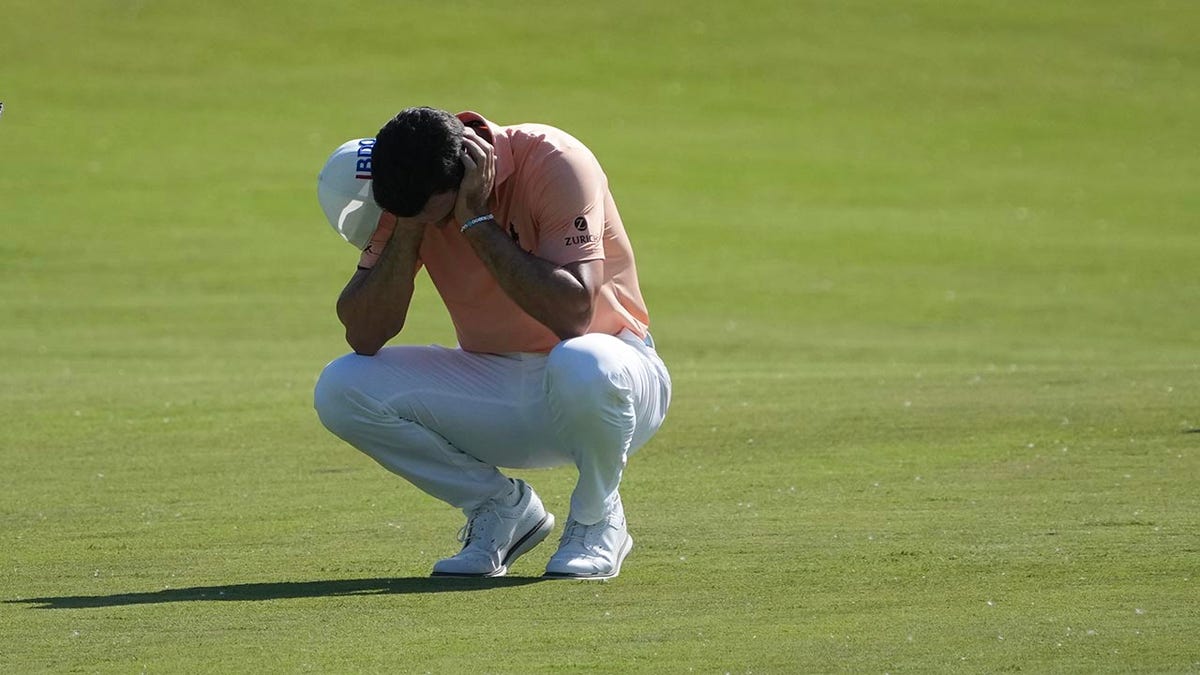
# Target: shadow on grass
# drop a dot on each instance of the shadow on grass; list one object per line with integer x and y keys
{"x": 282, "y": 590}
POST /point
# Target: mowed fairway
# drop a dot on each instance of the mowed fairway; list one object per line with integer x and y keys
{"x": 925, "y": 272}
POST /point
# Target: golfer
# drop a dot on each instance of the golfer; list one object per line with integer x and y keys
{"x": 555, "y": 365}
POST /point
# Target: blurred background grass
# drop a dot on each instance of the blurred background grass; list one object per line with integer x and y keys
{"x": 923, "y": 272}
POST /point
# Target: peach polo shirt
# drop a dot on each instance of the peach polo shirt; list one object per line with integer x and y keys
{"x": 552, "y": 198}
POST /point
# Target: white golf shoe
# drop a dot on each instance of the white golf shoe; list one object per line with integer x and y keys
{"x": 592, "y": 551}
{"x": 495, "y": 535}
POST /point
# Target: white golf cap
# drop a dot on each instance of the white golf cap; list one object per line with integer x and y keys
{"x": 344, "y": 190}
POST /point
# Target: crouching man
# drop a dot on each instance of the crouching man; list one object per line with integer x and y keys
{"x": 555, "y": 365}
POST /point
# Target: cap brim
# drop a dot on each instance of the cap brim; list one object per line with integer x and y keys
{"x": 353, "y": 216}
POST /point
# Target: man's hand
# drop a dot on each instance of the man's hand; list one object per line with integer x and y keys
{"x": 479, "y": 160}
{"x": 405, "y": 228}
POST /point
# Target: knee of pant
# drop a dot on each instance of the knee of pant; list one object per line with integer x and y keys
{"x": 581, "y": 369}
{"x": 335, "y": 396}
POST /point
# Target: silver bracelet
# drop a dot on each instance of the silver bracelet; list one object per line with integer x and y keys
{"x": 475, "y": 221}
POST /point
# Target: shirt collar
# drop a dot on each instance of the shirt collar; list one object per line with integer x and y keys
{"x": 504, "y": 161}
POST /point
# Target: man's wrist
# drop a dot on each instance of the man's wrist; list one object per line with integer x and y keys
{"x": 477, "y": 220}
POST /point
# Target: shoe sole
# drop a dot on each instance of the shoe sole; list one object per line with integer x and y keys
{"x": 501, "y": 571}
{"x": 625, "y": 549}
{"x": 536, "y": 535}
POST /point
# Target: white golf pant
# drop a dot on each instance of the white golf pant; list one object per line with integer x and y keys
{"x": 445, "y": 419}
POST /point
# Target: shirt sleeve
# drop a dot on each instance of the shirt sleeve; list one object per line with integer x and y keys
{"x": 569, "y": 209}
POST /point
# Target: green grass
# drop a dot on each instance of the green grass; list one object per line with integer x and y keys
{"x": 924, "y": 273}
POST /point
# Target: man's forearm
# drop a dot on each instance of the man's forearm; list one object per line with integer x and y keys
{"x": 374, "y": 305}
{"x": 549, "y": 293}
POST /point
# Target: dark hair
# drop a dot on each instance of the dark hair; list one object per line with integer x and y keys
{"x": 417, "y": 154}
